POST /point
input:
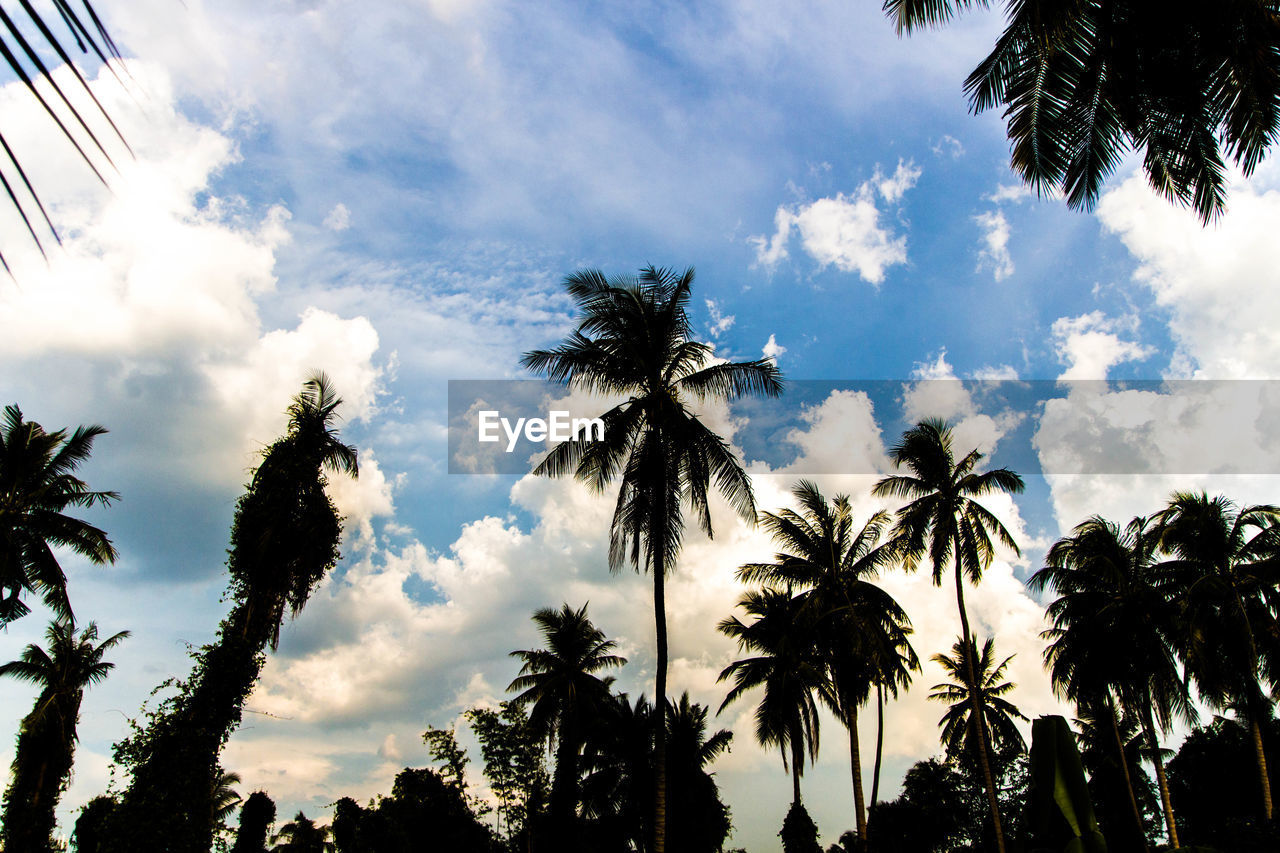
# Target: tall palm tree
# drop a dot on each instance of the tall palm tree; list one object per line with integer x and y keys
{"x": 633, "y": 341}
{"x": 861, "y": 630}
{"x": 284, "y": 539}
{"x": 785, "y": 664}
{"x": 961, "y": 725}
{"x": 1225, "y": 565}
{"x": 560, "y": 686}
{"x": 1112, "y": 634}
{"x": 47, "y": 738}
{"x": 1082, "y": 83}
{"x": 37, "y": 487}
{"x": 302, "y": 835}
{"x": 945, "y": 523}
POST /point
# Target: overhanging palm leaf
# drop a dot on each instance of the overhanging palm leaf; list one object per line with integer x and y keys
{"x": 90, "y": 36}
{"x": 1083, "y": 83}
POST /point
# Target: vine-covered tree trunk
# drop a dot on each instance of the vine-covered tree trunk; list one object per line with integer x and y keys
{"x": 41, "y": 765}
{"x": 284, "y": 539}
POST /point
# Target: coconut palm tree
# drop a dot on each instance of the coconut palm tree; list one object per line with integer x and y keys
{"x": 1225, "y": 566}
{"x": 302, "y": 835}
{"x": 560, "y": 686}
{"x": 633, "y": 341}
{"x": 961, "y": 727}
{"x": 861, "y": 631}
{"x": 1110, "y": 644}
{"x": 37, "y": 487}
{"x": 945, "y": 523}
{"x": 786, "y": 665}
{"x": 284, "y": 539}
{"x": 1083, "y": 83}
{"x": 47, "y": 737}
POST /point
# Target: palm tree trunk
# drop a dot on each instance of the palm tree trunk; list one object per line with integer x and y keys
{"x": 1149, "y": 726}
{"x": 660, "y": 700}
{"x": 855, "y": 763}
{"x": 563, "y": 796}
{"x": 1124, "y": 767}
{"x": 797, "y": 756}
{"x": 1262, "y": 768}
{"x": 979, "y": 710}
{"x": 875, "y": 774}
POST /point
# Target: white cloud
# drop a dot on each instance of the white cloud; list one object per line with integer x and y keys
{"x": 937, "y": 393}
{"x": 772, "y": 349}
{"x": 948, "y": 146}
{"x": 994, "y": 251}
{"x": 339, "y": 218}
{"x": 1214, "y": 281}
{"x": 1011, "y": 193}
{"x": 844, "y": 231}
{"x": 720, "y": 322}
{"x": 1090, "y": 344}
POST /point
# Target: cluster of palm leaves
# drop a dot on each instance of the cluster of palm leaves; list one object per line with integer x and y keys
{"x": 1082, "y": 83}
{"x": 605, "y": 747}
{"x": 1184, "y": 599}
{"x": 822, "y": 632}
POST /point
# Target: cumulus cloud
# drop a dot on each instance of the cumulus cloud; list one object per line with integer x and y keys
{"x": 772, "y": 349}
{"x": 1091, "y": 344}
{"x": 1222, "y": 318}
{"x": 845, "y": 231}
{"x": 373, "y": 650}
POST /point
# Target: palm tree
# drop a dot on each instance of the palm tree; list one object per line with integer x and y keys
{"x": 961, "y": 728}
{"x": 783, "y": 640}
{"x": 560, "y": 686}
{"x": 87, "y": 31}
{"x": 861, "y": 631}
{"x": 47, "y": 738}
{"x": 37, "y": 487}
{"x": 1226, "y": 568}
{"x": 1082, "y": 83}
{"x": 945, "y": 523}
{"x": 224, "y": 798}
{"x": 1110, "y": 643}
{"x": 302, "y": 835}
{"x": 284, "y": 539}
{"x": 633, "y": 341}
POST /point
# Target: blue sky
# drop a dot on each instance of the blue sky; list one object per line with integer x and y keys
{"x": 393, "y": 192}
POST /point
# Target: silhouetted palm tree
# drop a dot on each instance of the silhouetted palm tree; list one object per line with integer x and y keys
{"x": 302, "y": 835}
{"x": 860, "y": 630}
{"x": 1225, "y": 565}
{"x": 961, "y": 730}
{"x": 786, "y": 665}
{"x": 633, "y": 340}
{"x": 37, "y": 487}
{"x": 284, "y": 538}
{"x": 560, "y": 686}
{"x": 1082, "y": 83}
{"x": 945, "y": 523}
{"x": 1112, "y": 633}
{"x": 47, "y": 736}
